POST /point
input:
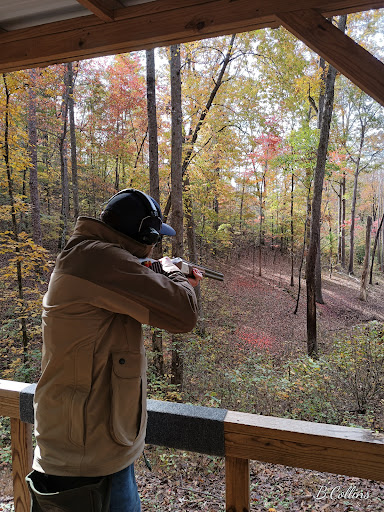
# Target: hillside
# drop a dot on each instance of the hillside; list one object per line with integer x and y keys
{"x": 250, "y": 318}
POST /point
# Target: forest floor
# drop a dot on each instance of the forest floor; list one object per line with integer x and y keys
{"x": 258, "y": 313}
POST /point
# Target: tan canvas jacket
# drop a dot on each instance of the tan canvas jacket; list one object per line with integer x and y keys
{"x": 90, "y": 402}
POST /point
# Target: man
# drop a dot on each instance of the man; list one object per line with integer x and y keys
{"x": 90, "y": 402}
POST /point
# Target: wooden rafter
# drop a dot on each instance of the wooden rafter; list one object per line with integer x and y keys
{"x": 115, "y": 29}
{"x": 351, "y": 59}
{"x": 103, "y": 9}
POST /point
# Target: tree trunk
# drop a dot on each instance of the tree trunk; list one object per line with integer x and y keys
{"x": 13, "y": 217}
{"x": 302, "y": 260}
{"x": 319, "y": 291}
{"x": 377, "y": 237}
{"x": 323, "y": 77}
{"x": 364, "y": 277}
{"x": 339, "y": 221}
{"x": 292, "y": 228}
{"x": 154, "y": 189}
{"x": 261, "y": 234}
{"x": 343, "y": 210}
{"x": 153, "y": 149}
{"x": 23, "y": 222}
{"x": 117, "y": 176}
{"x": 176, "y": 155}
{"x": 192, "y": 251}
{"x": 71, "y": 109}
{"x": 353, "y": 207}
{"x": 241, "y": 205}
{"x": 312, "y": 346}
{"x": 63, "y": 163}
{"x": 33, "y": 182}
{"x": 218, "y": 82}
{"x": 341, "y": 237}
{"x": 176, "y": 192}
{"x": 153, "y": 146}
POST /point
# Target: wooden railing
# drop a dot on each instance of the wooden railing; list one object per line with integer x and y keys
{"x": 239, "y": 437}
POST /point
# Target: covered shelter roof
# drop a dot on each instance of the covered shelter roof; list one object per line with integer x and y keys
{"x": 36, "y": 33}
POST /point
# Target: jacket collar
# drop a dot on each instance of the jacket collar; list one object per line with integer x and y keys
{"x": 90, "y": 228}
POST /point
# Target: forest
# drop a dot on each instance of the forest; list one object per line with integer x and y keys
{"x": 270, "y": 166}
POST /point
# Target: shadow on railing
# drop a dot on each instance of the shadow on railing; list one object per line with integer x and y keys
{"x": 239, "y": 437}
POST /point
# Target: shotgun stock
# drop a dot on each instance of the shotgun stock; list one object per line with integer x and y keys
{"x": 185, "y": 267}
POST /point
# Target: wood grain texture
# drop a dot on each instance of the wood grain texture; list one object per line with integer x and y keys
{"x": 237, "y": 485}
{"x": 322, "y": 447}
{"x": 156, "y": 23}
{"x": 10, "y": 398}
{"x": 103, "y": 9}
{"x": 21, "y": 434}
{"x": 127, "y": 34}
{"x": 348, "y": 57}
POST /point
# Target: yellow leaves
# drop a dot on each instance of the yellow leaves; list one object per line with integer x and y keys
{"x": 32, "y": 257}
{"x": 19, "y": 206}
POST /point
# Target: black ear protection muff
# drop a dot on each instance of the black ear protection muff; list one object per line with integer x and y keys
{"x": 149, "y": 235}
{"x": 150, "y": 225}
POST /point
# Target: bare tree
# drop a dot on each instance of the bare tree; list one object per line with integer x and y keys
{"x": 312, "y": 346}
{"x": 154, "y": 189}
{"x": 364, "y": 277}
{"x": 194, "y": 133}
{"x": 71, "y": 110}
{"x": 353, "y": 207}
{"x": 63, "y": 162}
{"x": 176, "y": 190}
{"x": 377, "y": 237}
{"x": 6, "y": 152}
{"x": 33, "y": 183}
{"x": 341, "y": 222}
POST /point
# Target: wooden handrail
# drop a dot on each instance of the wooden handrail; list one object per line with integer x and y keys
{"x": 239, "y": 437}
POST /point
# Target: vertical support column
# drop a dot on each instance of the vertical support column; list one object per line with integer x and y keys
{"x": 237, "y": 485}
{"x": 21, "y": 435}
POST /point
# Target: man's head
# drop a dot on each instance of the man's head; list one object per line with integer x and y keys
{"x": 137, "y": 215}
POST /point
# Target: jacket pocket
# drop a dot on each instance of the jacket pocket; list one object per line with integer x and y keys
{"x": 127, "y": 397}
{"x": 83, "y": 360}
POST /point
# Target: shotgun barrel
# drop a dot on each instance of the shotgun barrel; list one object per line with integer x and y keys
{"x": 185, "y": 267}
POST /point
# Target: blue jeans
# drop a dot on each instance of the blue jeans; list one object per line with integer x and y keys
{"x": 124, "y": 495}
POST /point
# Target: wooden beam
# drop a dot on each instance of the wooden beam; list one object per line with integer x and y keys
{"x": 237, "y": 485}
{"x": 156, "y": 23}
{"x": 10, "y": 397}
{"x": 348, "y": 57}
{"x": 130, "y": 34}
{"x": 103, "y": 9}
{"x": 21, "y": 438}
{"x": 331, "y": 448}
{"x": 344, "y": 7}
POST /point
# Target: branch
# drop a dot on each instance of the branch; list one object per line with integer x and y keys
{"x": 313, "y": 104}
{"x": 203, "y": 115}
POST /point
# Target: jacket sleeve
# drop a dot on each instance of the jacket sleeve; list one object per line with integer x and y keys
{"x": 119, "y": 283}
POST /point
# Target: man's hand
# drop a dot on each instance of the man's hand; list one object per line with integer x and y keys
{"x": 167, "y": 265}
{"x": 197, "y": 277}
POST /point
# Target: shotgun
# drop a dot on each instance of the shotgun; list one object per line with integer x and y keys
{"x": 184, "y": 266}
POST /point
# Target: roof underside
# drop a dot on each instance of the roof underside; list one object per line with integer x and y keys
{"x": 36, "y": 33}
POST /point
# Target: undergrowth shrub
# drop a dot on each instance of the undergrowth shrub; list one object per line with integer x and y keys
{"x": 344, "y": 386}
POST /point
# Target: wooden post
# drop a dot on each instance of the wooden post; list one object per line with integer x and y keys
{"x": 237, "y": 486}
{"x": 21, "y": 435}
